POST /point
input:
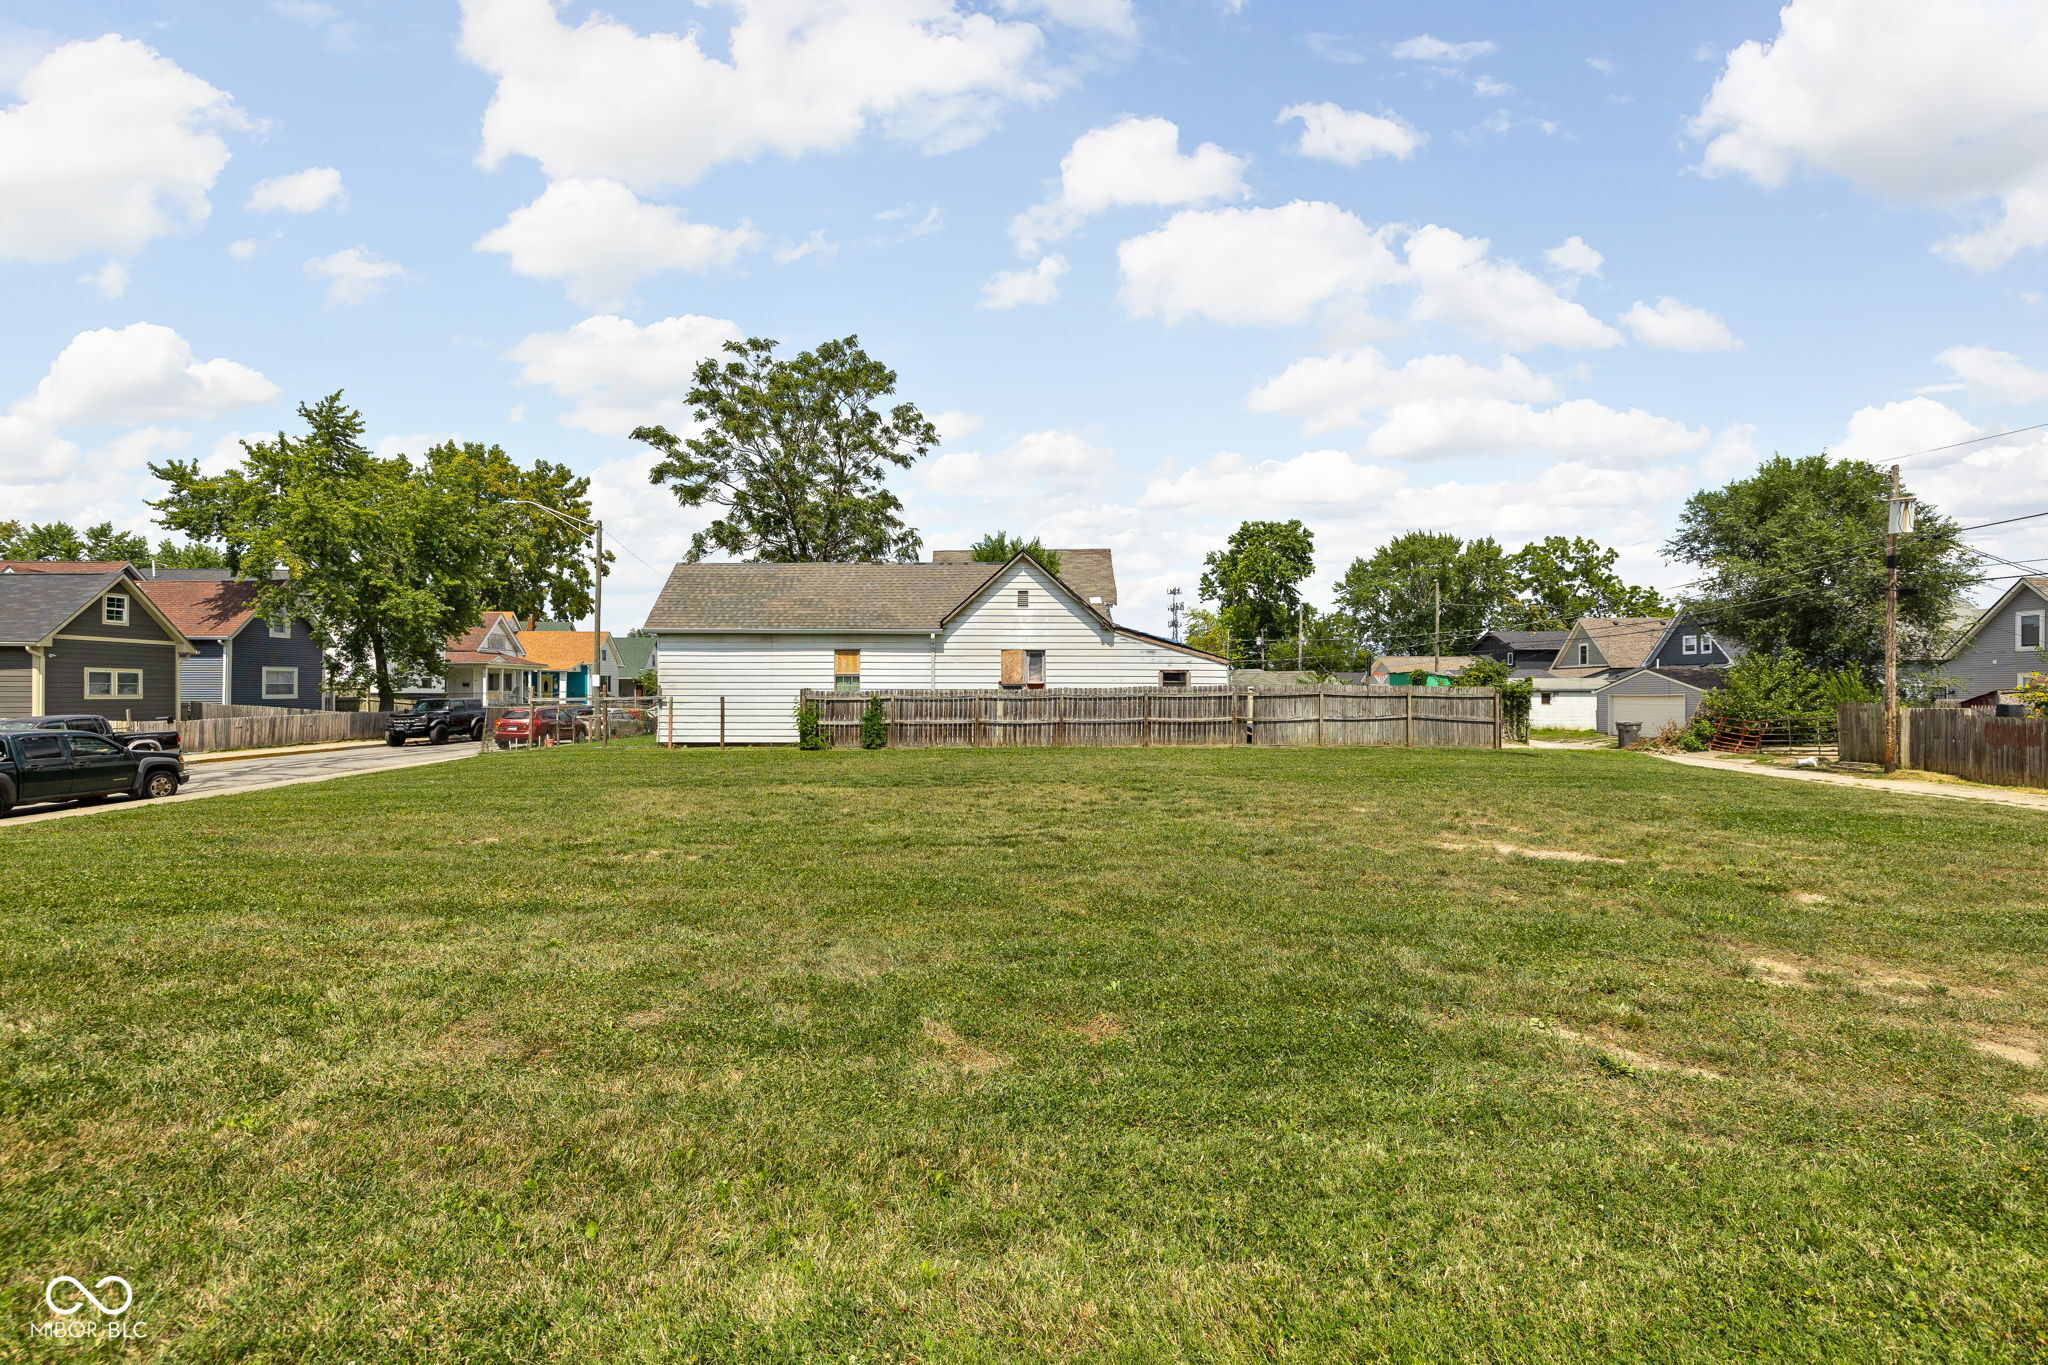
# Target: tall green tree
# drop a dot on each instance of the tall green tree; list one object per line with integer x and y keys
{"x": 10, "y": 532}
{"x": 1392, "y": 594}
{"x": 104, "y": 543}
{"x": 1000, "y": 547}
{"x": 794, "y": 453}
{"x": 1255, "y": 581}
{"x": 45, "y": 540}
{"x": 387, "y": 557}
{"x": 541, "y": 566}
{"x": 190, "y": 554}
{"x": 1794, "y": 561}
{"x": 1558, "y": 579}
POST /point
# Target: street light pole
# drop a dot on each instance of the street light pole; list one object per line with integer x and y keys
{"x": 1898, "y": 521}
{"x": 596, "y": 528}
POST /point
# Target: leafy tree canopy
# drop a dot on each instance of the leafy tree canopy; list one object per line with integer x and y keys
{"x": 1255, "y": 581}
{"x": 1794, "y": 561}
{"x": 1780, "y": 685}
{"x": 1000, "y": 547}
{"x": 61, "y": 541}
{"x": 1558, "y": 579}
{"x": 387, "y": 557}
{"x": 191, "y": 554}
{"x": 1392, "y": 594}
{"x": 794, "y": 453}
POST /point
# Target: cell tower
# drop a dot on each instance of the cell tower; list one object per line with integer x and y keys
{"x": 1173, "y": 613}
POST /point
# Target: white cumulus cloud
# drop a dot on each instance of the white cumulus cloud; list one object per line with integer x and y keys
{"x": 1580, "y": 428}
{"x": 1039, "y": 463}
{"x": 1458, "y": 281}
{"x": 1035, "y": 284}
{"x": 1338, "y": 390}
{"x": 143, "y": 372}
{"x": 1997, "y": 376}
{"x": 110, "y": 279}
{"x": 1937, "y": 104}
{"x": 599, "y": 240}
{"x": 1424, "y": 48}
{"x": 1266, "y": 266}
{"x": 1669, "y": 325}
{"x": 306, "y": 191}
{"x": 599, "y": 99}
{"x": 622, "y": 375}
{"x": 353, "y": 276}
{"x": 111, "y": 145}
{"x": 1573, "y": 257}
{"x": 1134, "y": 161}
{"x": 1330, "y": 132}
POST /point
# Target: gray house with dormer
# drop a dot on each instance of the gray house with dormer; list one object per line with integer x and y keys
{"x": 1995, "y": 653}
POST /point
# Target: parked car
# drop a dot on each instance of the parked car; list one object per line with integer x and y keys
{"x": 38, "y": 765}
{"x": 542, "y": 725}
{"x": 438, "y": 721}
{"x": 97, "y": 725}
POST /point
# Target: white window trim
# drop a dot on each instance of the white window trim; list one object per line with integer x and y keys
{"x": 113, "y": 692}
{"x": 1510, "y": 659}
{"x": 2019, "y": 627}
{"x": 1688, "y": 644}
{"x": 279, "y": 630}
{"x": 107, "y": 617}
{"x": 1585, "y": 655}
{"x": 1706, "y": 644}
{"x": 292, "y": 695}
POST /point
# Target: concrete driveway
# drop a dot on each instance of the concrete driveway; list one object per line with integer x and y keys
{"x": 255, "y": 774}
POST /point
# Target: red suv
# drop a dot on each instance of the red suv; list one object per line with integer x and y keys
{"x": 542, "y": 725}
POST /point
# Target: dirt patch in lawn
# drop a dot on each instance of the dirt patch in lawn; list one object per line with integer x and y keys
{"x": 2018, "y": 1051}
{"x": 2036, "y": 1103}
{"x": 1809, "y": 898}
{"x": 1629, "y": 1059}
{"x": 1557, "y": 855}
{"x": 1101, "y": 1028}
{"x": 975, "y": 1061}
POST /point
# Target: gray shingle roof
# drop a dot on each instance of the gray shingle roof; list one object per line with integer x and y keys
{"x": 908, "y": 597}
{"x": 32, "y": 605}
{"x": 1532, "y": 640}
{"x": 1090, "y": 573}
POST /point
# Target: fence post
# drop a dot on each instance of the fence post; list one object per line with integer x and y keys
{"x": 1251, "y": 715}
{"x": 1321, "y": 697}
{"x": 1145, "y": 725}
{"x": 1408, "y": 719}
{"x": 1496, "y": 718}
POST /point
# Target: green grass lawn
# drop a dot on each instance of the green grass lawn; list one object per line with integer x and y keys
{"x": 1059, "y": 1054}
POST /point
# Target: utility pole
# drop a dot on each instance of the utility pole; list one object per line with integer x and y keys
{"x": 1436, "y": 638}
{"x": 1898, "y": 522}
{"x": 604, "y": 722}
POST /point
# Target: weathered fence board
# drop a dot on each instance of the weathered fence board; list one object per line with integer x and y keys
{"x": 1107, "y": 717}
{"x": 1972, "y": 742}
{"x": 276, "y": 729}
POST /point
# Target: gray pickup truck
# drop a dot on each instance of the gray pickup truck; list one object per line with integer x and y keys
{"x": 39, "y": 765}
{"x": 95, "y": 725}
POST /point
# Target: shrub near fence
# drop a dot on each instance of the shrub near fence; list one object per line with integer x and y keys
{"x": 1963, "y": 741}
{"x": 1397, "y": 717}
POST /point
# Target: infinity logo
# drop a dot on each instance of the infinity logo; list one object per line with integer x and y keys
{"x": 50, "y": 1295}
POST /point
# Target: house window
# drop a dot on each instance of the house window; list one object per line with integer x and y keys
{"x": 1508, "y": 657}
{"x": 281, "y": 630}
{"x": 1023, "y": 597}
{"x": 1546, "y": 698}
{"x": 1689, "y": 644}
{"x": 1706, "y": 644}
{"x": 114, "y": 609}
{"x": 280, "y": 684}
{"x": 120, "y": 683}
{"x": 1173, "y": 677}
{"x": 1023, "y": 668}
{"x": 1585, "y": 653}
{"x": 846, "y": 670}
{"x": 2029, "y": 636}
{"x": 1034, "y": 668}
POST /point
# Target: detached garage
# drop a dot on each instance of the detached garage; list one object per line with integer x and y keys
{"x": 1654, "y": 697}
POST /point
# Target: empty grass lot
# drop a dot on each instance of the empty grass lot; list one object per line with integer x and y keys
{"x": 1032, "y": 1055}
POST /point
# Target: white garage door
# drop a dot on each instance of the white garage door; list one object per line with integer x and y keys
{"x": 1653, "y": 712}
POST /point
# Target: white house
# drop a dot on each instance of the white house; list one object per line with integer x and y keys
{"x": 745, "y": 639}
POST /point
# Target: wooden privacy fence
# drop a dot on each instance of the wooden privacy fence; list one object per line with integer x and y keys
{"x": 1111, "y": 717}
{"x": 1964, "y": 741}
{"x": 274, "y": 729}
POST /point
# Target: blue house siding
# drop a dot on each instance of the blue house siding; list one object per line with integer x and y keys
{"x": 254, "y": 650}
{"x": 1671, "y": 653}
{"x": 1996, "y": 655}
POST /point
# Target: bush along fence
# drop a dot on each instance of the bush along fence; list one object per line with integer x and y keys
{"x": 1133, "y": 717}
{"x": 273, "y": 730}
{"x": 1964, "y": 741}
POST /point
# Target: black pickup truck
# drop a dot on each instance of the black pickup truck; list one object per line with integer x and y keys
{"x": 69, "y": 765}
{"x": 97, "y": 725}
{"x": 438, "y": 721}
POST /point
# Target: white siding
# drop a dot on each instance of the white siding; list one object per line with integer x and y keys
{"x": 1567, "y": 711}
{"x": 759, "y": 674}
{"x": 199, "y": 679}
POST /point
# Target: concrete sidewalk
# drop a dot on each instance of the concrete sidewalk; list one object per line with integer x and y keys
{"x": 1891, "y": 786}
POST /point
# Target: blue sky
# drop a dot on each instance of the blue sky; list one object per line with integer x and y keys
{"x": 1490, "y": 269}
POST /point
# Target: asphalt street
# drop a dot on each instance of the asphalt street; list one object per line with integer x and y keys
{"x": 255, "y": 774}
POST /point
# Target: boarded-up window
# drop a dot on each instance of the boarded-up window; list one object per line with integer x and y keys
{"x": 846, "y": 670}
{"x": 1023, "y": 597}
{"x": 1173, "y": 677}
{"x": 1013, "y": 668}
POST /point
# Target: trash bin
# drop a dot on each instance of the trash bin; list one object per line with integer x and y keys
{"x": 1627, "y": 732}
